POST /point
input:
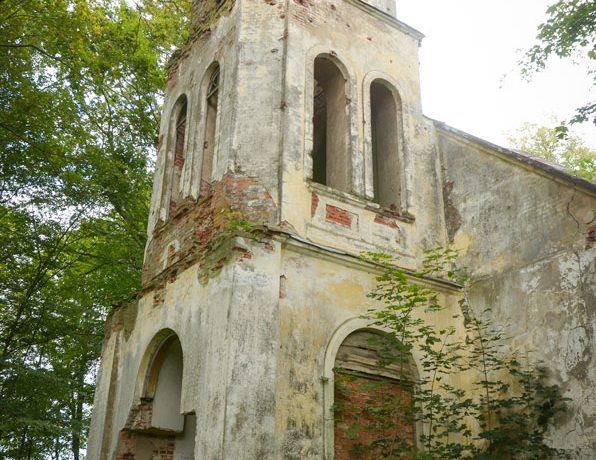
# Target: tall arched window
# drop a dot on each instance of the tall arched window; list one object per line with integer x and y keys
{"x": 385, "y": 121}
{"x": 212, "y": 96}
{"x": 373, "y": 388}
{"x": 330, "y": 126}
{"x": 179, "y": 156}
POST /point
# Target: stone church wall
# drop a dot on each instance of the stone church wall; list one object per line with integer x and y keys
{"x": 526, "y": 237}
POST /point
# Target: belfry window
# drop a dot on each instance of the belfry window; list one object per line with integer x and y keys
{"x": 330, "y": 126}
{"x": 373, "y": 389}
{"x": 385, "y": 122}
{"x": 212, "y": 97}
{"x": 179, "y": 157}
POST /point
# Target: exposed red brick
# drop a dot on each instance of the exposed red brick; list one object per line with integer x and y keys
{"x": 367, "y": 412}
{"x": 158, "y": 297}
{"x": 591, "y": 237}
{"x": 138, "y": 432}
{"x": 172, "y": 77}
{"x": 314, "y": 204}
{"x": 196, "y": 224}
{"x": 338, "y": 215}
{"x": 384, "y": 220}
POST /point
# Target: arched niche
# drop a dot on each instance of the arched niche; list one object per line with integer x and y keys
{"x": 155, "y": 425}
{"x": 361, "y": 382}
{"x": 386, "y": 157}
{"x": 164, "y": 386}
{"x": 176, "y": 153}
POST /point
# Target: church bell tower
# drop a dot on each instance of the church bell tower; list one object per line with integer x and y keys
{"x": 291, "y": 140}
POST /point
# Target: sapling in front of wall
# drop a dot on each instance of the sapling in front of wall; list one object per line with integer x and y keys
{"x": 504, "y": 414}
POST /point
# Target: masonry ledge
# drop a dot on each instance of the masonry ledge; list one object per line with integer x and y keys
{"x": 302, "y": 245}
{"x": 358, "y": 202}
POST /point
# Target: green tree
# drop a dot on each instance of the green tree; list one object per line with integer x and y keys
{"x": 80, "y": 90}
{"x": 570, "y": 152}
{"x": 569, "y": 32}
{"x": 511, "y": 404}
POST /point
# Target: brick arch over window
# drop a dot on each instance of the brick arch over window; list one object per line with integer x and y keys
{"x": 177, "y": 151}
{"x": 367, "y": 396}
{"x": 330, "y": 153}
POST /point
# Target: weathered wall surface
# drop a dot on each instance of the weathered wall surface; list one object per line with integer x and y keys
{"x": 227, "y": 324}
{"x": 315, "y": 317}
{"x": 525, "y": 237}
{"x": 366, "y": 45}
{"x": 188, "y": 77}
{"x": 260, "y": 319}
{"x": 256, "y": 334}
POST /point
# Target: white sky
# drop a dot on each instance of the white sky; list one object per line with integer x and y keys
{"x": 469, "y": 73}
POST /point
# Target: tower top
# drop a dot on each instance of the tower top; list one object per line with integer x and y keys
{"x": 205, "y": 12}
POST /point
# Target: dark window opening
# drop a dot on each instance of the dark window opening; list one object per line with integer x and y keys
{"x": 210, "y": 131}
{"x": 180, "y": 134}
{"x": 330, "y": 126}
{"x": 385, "y": 146}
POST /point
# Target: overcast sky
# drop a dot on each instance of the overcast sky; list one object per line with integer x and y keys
{"x": 469, "y": 73}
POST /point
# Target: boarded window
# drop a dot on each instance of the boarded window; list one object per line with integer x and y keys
{"x": 373, "y": 398}
{"x": 210, "y": 131}
{"x": 330, "y": 126}
{"x": 178, "y": 164}
{"x": 385, "y": 118}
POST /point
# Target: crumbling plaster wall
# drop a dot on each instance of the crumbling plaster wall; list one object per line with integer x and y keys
{"x": 314, "y": 318}
{"x": 524, "y": 236}
{"x": 255, "y": 325}
{"x": 227, "y": 324}
{"x": 187, "y": 77}
{"x": 266, "y": 52}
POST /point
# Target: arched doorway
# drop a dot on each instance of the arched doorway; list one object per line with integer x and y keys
{"x": 373, "y": 389}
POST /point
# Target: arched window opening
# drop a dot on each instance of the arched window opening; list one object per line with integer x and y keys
{"x": 164, "y": 386}
{"x": 212, "y": 97}
{"x": 330, "y": 126}
{"x": 385, "y": 146}
{"x": 373, "y": 390}
{"x": 178, "y": 164}
{"x": 156, "y": 427}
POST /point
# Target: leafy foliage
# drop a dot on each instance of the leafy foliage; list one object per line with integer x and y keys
{"x": 570, "y": 152}
{"x": 80, "y": 88}
{"x": 509, "y": 407}
{"x": 570, "y": 31}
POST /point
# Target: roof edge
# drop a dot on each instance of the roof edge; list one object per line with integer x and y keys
{"x": 520, "y": 157}
{"x": 386, "y": 17}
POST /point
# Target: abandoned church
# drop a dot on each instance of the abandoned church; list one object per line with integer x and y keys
{"x": 293, "y": 141}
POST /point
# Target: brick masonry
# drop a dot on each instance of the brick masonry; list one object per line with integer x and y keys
{"x": 338, "y": 216}
{"x": 188, "y": 232}
{"x": 368, "y": 422}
